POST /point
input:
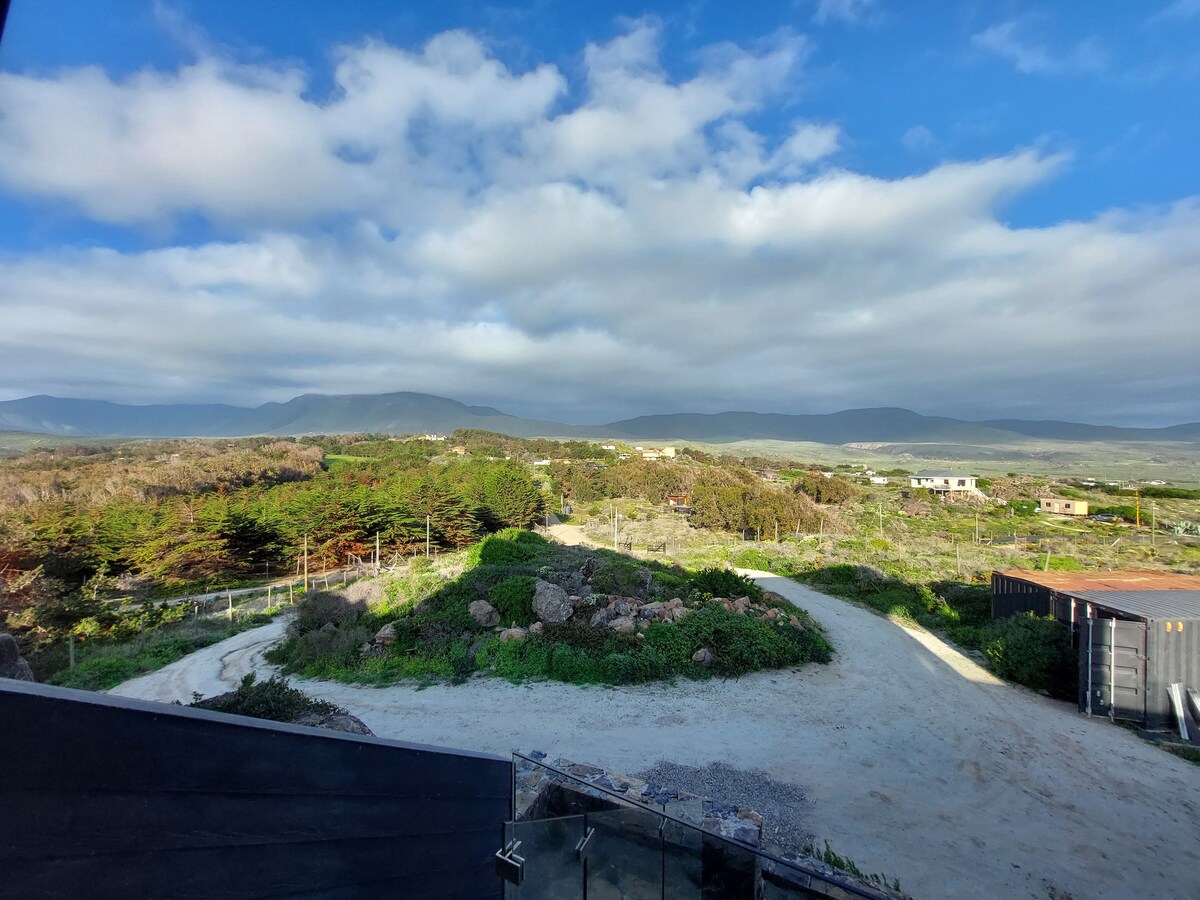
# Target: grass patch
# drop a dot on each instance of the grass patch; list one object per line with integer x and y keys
{"x": 102, "y": 665}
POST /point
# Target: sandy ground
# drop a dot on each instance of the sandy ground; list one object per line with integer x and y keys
{"x": 918, "y": 762}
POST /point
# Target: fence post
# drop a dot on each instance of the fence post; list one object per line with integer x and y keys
{"x": 229, "y": 598}
{"x": 71, "y": 646}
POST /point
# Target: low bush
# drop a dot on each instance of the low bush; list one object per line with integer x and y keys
{"x": 753, "y": 559}
{"x": 623, "y": 577}
{"x": 512, "y": 546}
{"x": 322, "y": 608}
{"x": 273, "y": 699}
{"x": 717, "y": 582}
{"x": 1032, "y": 651}
{"x": 513, "y": 599}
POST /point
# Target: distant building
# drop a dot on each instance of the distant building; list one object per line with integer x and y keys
{"x": 460, "y": 450}
{"x": 433, "y": 436}
{"x": 652, "y": 453}
{"x": 609, "y": 446}
{"x": 1063, "y": 507}
{"x": 674, "y": 500}
{"x": 879, "y": 479}
{"x": 541, "y": 462}
{"x": 942, "y": 482}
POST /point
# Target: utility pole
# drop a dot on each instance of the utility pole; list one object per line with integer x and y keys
{"x": 1153, "y": 522}
{"x": 306, "y": 564}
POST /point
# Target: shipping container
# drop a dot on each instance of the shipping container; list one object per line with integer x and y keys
{"x": 1136, "y": 632}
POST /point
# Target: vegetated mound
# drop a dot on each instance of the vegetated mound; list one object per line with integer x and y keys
{"x": 526, "y": 608}
{"x": 277, "y": 701}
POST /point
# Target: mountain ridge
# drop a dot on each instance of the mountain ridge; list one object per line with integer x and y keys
{"x": 407, "y": 412}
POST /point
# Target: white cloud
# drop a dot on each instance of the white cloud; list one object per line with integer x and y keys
{"x": 1009, "y": 41}
{"x": 641, "y": 245}
{"x": 852, "y": 12}
{"x": 919, "y": 139}
{"x": 1180, "y": 10}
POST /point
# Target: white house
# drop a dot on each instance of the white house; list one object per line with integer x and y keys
{"x": 943, "y": 482}
{"x": 879, "y": 479}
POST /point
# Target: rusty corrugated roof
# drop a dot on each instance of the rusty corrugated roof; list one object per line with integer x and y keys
{"x": 1127, "y": 580}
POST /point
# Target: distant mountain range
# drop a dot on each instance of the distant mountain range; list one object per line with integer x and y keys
{"x": 410, "y": 413}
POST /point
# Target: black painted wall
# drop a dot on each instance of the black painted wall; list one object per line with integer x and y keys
{"x": 109, "y": 797}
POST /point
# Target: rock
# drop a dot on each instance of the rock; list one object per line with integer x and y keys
{"x": 602, "y": 618}
{"x": 513, "y": 634}
{"x": 333, "y": 722}
{"x": 750, "y": 815}
{"x": 537, "y": 628}
{"x": 589, "y": 567}
{"x": 484, "y": 613}
{"x": 740, "y": 605}
{"x": 12, "y": 664}
{"x": 640, "y": 636}
{"x": 601, "y": 600}
{"x": 386, "y": 636}
{"x": 623, "y": 606}
{"x": 651, "y": 611}
{"x": 673, "y": 603}
{"x": 705, "y": 657}
{"x": 679, "y": 612}
{"x": 623, "y": 625}
{"x": 329, "y": 626}
{"x": 772, "y": 614}
{"x": 551, "y": 603}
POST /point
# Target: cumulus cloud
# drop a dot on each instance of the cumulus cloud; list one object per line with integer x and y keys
{"x": 628, "y": 244}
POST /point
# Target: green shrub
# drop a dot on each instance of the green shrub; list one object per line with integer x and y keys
{"x": 273, "y": 699}
{"x": 512, "y": 546}
{"x": 752, "y": 559}
{"x": 634, "y": 667}
{"x": 513, "y": 599}
{"x": 1031, "y": 651}
{"x": 322, "y": 652}
{"x": 318, "y": 609}
{"x": 740, "y": 644}
{"x": 99, "y": 673}
{"x": 623, "y": 577}
{"x": 724, "y": 583}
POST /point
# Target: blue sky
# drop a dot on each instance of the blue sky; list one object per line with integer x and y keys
{"x": 590, "y": 211}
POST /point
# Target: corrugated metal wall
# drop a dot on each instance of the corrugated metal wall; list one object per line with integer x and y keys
{"x": 1010, "y": 597}
{"x": 1173, "y": 657}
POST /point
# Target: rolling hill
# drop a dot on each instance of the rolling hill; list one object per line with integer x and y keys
{"x": 408, "y": 413}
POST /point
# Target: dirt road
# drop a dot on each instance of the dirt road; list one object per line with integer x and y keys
{"x": 917, "y": 761}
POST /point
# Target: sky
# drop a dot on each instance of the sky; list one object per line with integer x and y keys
{"x": 584, "y": 212}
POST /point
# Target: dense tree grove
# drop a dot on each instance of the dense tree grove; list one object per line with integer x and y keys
{"x": 176, "y": 512}
{"x": 78, "y": 521}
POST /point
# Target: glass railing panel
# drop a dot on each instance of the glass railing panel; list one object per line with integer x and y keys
{"x": 624, "y": 854}
{"x": 682, "y": 872}
{"x": 550, "y": 860}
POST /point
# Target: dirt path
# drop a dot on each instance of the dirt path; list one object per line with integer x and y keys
{"x": 211, "y": 671}
{"x": 917, "y": 761}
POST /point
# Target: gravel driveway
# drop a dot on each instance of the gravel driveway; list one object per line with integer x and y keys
{"x": 914, "y": 760}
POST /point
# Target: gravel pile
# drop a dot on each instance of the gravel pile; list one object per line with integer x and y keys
{"x": 783, "y": 806}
